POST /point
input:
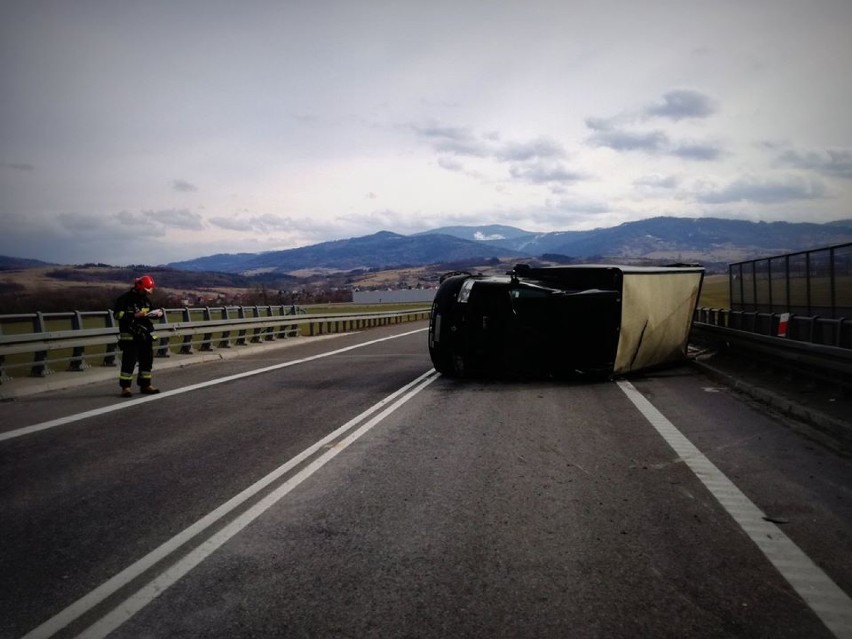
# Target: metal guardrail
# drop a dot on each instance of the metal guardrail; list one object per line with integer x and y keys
{"x": 74, "y": 338}
{"x": 820, "y": 347}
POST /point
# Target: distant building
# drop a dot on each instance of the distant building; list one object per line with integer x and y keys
{"x": 401, "y": 296}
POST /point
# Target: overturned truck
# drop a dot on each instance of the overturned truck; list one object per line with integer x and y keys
{"x": 596, "y": 321}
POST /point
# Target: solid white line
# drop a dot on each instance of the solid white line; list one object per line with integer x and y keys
{"x": 157, "y": 586}
{"x": 185, "y": 389}
{"x": 826, "y": 599}
{"x": 83, "y": 605}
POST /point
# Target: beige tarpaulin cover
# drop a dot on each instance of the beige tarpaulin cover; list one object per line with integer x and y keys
{"x": 656, "y": 315}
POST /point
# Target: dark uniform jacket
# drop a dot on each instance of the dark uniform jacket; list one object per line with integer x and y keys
{"x": 126, "y": 306}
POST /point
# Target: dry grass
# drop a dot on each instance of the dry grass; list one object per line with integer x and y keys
{"x": 37, "y": 281}
{"x": 715, "y": 292}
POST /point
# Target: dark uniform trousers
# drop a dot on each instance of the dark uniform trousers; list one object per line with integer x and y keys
{"x": 138, "y": 349}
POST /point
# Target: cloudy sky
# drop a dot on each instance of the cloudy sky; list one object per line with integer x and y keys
{"x": 154, "y": 131}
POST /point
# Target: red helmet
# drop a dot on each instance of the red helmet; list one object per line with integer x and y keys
{"x": 144, "y": 283}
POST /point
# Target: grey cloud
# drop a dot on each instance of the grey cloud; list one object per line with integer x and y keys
{"x": 535, "y": 161}
{"x": 79, "y": 222}
{"x": 232, "y": 224}
{"x": 522, "y": 151}
{"x": 475, "y": 148}
{"x": 608, "y": 133}
{"x": 437, "y": 131}
{"x": 658, "y": 181}
{"x": 18, "y": 166}
{"x": 177, "y": 218}
{"x": 833, "y": 162}
{"x": 462, "y": 141}
{"x": 450, "y": 164}
{"x": 264, "y": 223}
{"x": 544, "y": 173}
{"x": 183, "y": 186}
{"x": 622, "y": 140}
{"x": 458, "y": 140}
{"x": 675, "y": 105}
{"x": 183, "y": 219}
{"x": 601, "y": 124}
{"x": 573, "y": 205}
{"x": 126, "y": 218}
{"x": 682, "y": 104}
{"x": 764, "y": 191}
{"x": 620, "y": 132}
{"x": 93, "y": 229}
{"x": 769, "y": 145}
{"x": 697, "y": 151}
{"x": 270, "y": 222}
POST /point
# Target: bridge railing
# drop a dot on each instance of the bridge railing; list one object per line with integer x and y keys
{"x": 821, "y": 347}
{"x": 38, "y": 342}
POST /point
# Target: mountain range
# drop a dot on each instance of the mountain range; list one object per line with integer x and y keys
{"x": 710, "y": 241}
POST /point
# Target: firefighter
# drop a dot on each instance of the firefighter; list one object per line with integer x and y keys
{"x": 136, "y": 335}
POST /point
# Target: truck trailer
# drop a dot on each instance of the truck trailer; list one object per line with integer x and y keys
{"x": 598, "y": 321}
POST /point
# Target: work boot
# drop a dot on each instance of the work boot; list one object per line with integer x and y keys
{"x": 149, "y": 390}
{"x": 125, "y": 392}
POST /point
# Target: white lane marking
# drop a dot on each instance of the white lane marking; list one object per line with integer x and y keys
{"x": 185, "y": 389}
{"x": 86, "y": 603}
{"x": 826, "y": 599}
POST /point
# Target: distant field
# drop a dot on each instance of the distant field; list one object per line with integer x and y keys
{"x": 715, "y": 292}
{"x": 325, "y": 309}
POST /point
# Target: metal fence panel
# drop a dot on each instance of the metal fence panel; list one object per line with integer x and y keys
{"x": 816, "y": 282}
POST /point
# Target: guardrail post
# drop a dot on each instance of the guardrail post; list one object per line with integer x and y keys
{"x": 802, "y": 328}
{"x": 287, "y": 330}
{"x": 256, "y": 333}
{"x": 269, "y": 332}
{"x": 241, "y": 334}
{"x": 841, "y": 333}
{"x": 3, "y": 376}
{"x": 207, "y": 337}
{"x": 110, "y": 349}
{"x": 39, "y": 367}
{"x": 224, "y": 340}
{"x": 283, "y": 329}
{"x": 163, "y": 348}
{"x": 78, "y": 359}
{"x": 48, "y": 337}
{"x": 186, "y": 346}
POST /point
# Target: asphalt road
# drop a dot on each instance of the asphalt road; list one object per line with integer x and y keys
{"x": 338, "y": 488}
